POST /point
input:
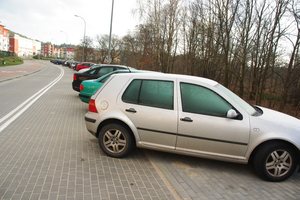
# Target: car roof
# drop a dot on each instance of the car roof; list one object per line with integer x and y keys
{"x": 109, "y": 65}
{"x": 103, "y": 65}
{"x": 125, "y": 70}
{"x": 187, "y": 78}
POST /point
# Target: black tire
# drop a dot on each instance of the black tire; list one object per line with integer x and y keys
{"x": 115, "y": 140}
{"x": 275, "y": 161}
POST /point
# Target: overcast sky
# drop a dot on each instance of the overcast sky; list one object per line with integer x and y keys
{"x": 44, "y": 20}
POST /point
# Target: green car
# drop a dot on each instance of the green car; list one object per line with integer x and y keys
{"x": 89, "y": 87}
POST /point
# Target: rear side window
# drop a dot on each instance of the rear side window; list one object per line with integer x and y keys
{"x": 104, "y": 70}
{"x": 92, "y": 72}
{"x": 201, "y": 100}
{"x": 154, "y": 93}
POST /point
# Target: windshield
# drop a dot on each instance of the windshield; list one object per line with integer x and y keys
{"x": 247, "y": 107}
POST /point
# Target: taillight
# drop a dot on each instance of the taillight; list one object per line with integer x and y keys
{"x": 74, "y": 77}
{"x": 81, "y": 87}
{"x": 92, "y": 106}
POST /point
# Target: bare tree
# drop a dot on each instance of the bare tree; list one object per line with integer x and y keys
{"x": 226, "y": 13}
{"x": 87, "y": 43}
{"x": 102, "y": 46}
{"x": 293, "y": 64}
{"x": 244, "y": 25}
{"x": 161, "y": 16}
{"x": 273, "y": 39}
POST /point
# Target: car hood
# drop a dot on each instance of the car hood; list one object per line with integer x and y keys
{"x": 279, "y": 118}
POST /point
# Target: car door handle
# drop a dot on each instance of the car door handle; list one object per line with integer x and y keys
{"x": 132, "y": 110}
{"x": 186, "y": 119}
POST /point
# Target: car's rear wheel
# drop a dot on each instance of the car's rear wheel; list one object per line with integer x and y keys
{"x": 115, "y": 140}
{"x": 275, "y": 161}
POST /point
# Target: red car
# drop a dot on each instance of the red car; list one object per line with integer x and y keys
{"x": 84, "y": 65}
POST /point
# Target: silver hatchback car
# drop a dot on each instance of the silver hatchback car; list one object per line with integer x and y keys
{"x": 192, "y": 116}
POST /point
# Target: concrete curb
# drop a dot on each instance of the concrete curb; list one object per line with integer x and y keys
{"x": 22, "y": 75}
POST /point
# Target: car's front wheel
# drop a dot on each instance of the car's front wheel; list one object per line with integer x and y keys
{"x": 115, "y": 140}
{"x": 275, "y": 161}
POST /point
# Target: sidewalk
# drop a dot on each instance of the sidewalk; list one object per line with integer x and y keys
{"x": 17, "y": 71}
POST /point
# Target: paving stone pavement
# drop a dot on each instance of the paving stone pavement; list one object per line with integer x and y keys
{"x": 50, "y": 155}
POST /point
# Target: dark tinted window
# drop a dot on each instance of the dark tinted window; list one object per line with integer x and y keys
{"x": 197, "y": 99}
{"x": 104, "y": 70}
{"x": 92, "y": 71}
{"x": 131, "y": 94}
{"x": 152, "y": 93}
{"x": 120, "y": 68}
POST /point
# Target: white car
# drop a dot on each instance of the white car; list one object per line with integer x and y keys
{"x": 192, "y": 116}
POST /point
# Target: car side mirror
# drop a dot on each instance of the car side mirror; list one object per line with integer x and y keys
{"x": 232, "y": 114}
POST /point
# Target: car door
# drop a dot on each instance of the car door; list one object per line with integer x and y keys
{"x": 149, "y": 105}
{"x": 203, "y": 127}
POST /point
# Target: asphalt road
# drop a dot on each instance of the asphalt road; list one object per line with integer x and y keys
{"x": 47, "y": 153}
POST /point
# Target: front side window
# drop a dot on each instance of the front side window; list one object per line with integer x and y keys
{"x": 154, "y": 93}
{"x": 201, "y": 100}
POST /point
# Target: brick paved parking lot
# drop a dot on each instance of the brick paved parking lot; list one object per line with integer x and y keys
{"x": 47, "y": 153}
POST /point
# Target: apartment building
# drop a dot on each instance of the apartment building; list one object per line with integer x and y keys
{"x": 67, "y": 53}
{"x": 24, "y": 47}
{"x": 4, "y": 39}
{"x": 48, "y": 50}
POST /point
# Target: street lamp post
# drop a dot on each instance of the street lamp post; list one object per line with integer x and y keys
{"x": 83, "y": 37}
{"x": 66, "y": 43}
{"x": 111, "y": 19}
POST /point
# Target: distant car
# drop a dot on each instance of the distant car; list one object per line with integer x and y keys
{"x": 94, "y": 73}
{"x": 67, "y": 63}
{"x": 60, "y": 62}
{"x": 93, "y": 66}
{"x": 57, "y": 62}
{"x": 89, "y": 87}
{"x": 192, "y": 116}
{"x": 84, "y": 65}
{"x": 74, "y": 64}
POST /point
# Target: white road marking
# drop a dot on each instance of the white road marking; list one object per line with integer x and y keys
{"x": 26, "y": 104}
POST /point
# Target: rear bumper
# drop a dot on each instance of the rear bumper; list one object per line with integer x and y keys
{"x": 89, "y": 120}
{"x": 75, "y": 86}
{"x": 90, "y": 123}
{"x": 84, "y": 98}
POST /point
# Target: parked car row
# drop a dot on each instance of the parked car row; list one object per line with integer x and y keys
{"x": 186, "y": 115}
{"x": 76, "y": 65}
{"x": 94, "y": 72}
{"x": 57, "y": 61}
